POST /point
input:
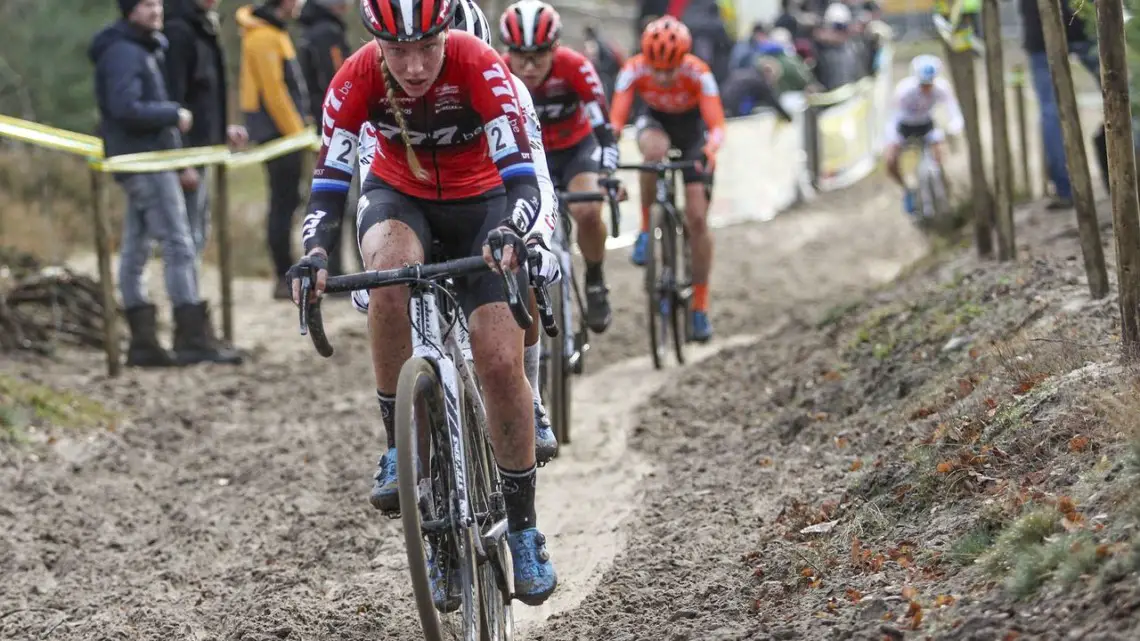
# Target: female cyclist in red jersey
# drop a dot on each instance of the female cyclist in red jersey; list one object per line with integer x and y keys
{"x": 453, "y": 162}
{"x": 683, "y": 110}
{"x": 571, "y": 105}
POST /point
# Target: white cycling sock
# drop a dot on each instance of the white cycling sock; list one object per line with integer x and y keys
{"x": 530, "y": 364}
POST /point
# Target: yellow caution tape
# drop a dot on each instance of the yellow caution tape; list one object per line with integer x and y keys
{"x": 43, "y": 136}
{"x": 840, "y": 94}
{"x": 150, "y": 161}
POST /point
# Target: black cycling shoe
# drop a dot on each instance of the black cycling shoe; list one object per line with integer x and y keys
{"x": 598, "y": 313}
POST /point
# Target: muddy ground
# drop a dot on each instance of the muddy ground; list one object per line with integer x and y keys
{"x": 230, "y": 503}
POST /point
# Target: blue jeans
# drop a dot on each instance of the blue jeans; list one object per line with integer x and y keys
{"x": 1051, "y": 137}
{"x": 156, "y": 212}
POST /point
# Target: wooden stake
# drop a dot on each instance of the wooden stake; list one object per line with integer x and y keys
{"x": 225, "y": 259}
{"x": 106, "y": 280}
{"x": 1057, "y": 50}
{"x": 1022, "y": 129}
{"x": 1121, "y": 170}
{"x": 999, "y": 123}
{"x": 962, "y": 72}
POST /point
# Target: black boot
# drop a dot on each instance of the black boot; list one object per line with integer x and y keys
{"x": 145, "y": 350}
{"x": 194, "y": 341}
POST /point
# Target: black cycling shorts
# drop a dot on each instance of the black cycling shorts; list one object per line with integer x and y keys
{"x": 686, "y": 132}
{"x": 584, "y": 157}
{"x": 919, "y": 131}
{"x": 460, "y": 228}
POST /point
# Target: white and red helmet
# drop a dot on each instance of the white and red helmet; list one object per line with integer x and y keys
{"x": 530, "y": 25}
{"x": 406, "y": 20}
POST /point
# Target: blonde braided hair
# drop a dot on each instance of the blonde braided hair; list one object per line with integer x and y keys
{"x": 401, "y": 122}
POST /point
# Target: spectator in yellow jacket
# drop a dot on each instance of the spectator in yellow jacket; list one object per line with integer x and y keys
{"x": 275, "y": 103}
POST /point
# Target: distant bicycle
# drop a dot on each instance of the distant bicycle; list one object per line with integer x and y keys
{"x": 933, "y": 200}
{"x": 668, "y": 265}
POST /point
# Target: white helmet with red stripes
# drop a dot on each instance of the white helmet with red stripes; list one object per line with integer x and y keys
{"x": 406, "y": 20}
{"x": 530, "y": 25}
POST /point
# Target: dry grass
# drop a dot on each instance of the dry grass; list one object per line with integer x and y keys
{"x": 45, "y": 210}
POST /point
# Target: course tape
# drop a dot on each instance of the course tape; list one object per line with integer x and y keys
{"x": 91, "y": 148}
{"x": 842, "y": 129}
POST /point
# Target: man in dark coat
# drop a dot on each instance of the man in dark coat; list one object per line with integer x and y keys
{"x": 196, "y": 79}
{"x": 137, "y": 115}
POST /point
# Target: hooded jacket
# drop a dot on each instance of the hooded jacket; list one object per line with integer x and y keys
{"x": 273, "y": 96}
{"x": 195, "y": 71}
{"x": 135, "y": 112}
{"x": 322, "y": 50}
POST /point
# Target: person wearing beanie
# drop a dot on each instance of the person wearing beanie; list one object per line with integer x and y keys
{"x": 136, "y": 115}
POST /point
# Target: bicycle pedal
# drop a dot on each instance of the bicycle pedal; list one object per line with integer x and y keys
{"x": 391, "y": 514}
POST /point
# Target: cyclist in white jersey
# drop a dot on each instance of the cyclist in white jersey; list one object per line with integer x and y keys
{"x": 469, "y": 18}
{"x": 912, "y": 115}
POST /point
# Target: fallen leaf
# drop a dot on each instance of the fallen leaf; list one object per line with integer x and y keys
{"x": 1011, "y": 635}
{"x": 1070, "y": 525}
{"x": 808, "y": 572}
{"x": 943, "y": 600}
{"x": 856, "y": 465}
{"x": 903, "y": 562}
{"x": 853, "y": 595}
{"x": 832, "y": 375}
{"x": 909, "y": 593}
{"x": 1065, "y": 505}
{"x": 974, "y": 353}
{"x": 816, "y": 583}
{"x": 914, "y": 613}
{"x": 921, "y": 412}
{"x": 1078, "y": 443}
{"x": 841, "y": 442}
{"x": 765, "y": 462}
{"x": 1102, "y": 551}
{"x": 819, "y": 528}
{"x": 945, "y": 467}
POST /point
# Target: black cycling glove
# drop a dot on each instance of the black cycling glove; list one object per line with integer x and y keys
{"x": 307, "y": 266}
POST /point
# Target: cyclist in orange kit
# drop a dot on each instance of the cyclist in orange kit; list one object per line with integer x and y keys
{"x": 683, "y": 111}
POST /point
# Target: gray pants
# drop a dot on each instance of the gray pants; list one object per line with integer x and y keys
{"x": 156, "y": 212}
{"x": 198, "y": 211}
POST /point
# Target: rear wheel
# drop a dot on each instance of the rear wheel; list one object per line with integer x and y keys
{"x": 682, "y": 289}
{"x": 428, "y": 503}
{"x": 657, "y": 259}
{"x": 560, "y": 377}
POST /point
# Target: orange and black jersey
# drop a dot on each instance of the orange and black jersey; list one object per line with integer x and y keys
{"x": 693, "y": 88}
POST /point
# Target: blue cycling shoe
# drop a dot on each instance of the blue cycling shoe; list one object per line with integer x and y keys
{"x": 640, "y": 249}
{"x": 535, "y": 579}
{"x": 385, "y": 496}
{"x": 446, "y": 583}
{"x": 702, "y": 327}
{"x": 545, "y": 443}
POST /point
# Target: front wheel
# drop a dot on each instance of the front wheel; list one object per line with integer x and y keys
{"x": 427, "y": 489}
{"x": 658, "y": 259}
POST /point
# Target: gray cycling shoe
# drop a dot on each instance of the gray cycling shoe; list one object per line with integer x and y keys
{"x": 545, "y": 443}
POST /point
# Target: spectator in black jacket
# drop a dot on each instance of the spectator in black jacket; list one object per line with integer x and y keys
{"x": 196, "y": 78}
{"x": 137, "y": 115}
{"x": 321, "y": 50}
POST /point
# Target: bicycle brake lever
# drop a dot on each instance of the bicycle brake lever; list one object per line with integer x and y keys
{"x": 306, "y": 288}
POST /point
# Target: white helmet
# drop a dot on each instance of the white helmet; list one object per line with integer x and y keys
{"x": 470, "y": 18}
{"x": 925, "y": 68}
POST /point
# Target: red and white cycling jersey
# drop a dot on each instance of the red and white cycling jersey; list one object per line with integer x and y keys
{"x": 571, "y": 102}
{"x": 467, "y": 131}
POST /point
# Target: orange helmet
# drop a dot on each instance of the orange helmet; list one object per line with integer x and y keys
{"x": 665, "y": 42}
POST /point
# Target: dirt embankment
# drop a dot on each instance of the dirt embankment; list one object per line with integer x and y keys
{"x": 954, "y": 457}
